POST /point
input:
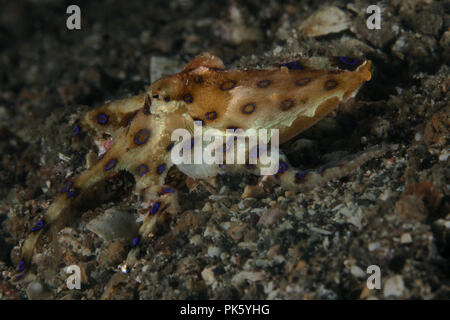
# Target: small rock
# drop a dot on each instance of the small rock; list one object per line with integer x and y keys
{"x": 37, "y": 291}
{"x": 405, "y": 238}
{"x": 326, "y": 20}
{"x": 411, "y": 207}
{"x": 188, "y": 265}
{"x": 207, "y": 207}
{"x": 301, "y": 265}
{"x": 357, "y": 272}
{"x": 273, "y": 251}
{"x": 196, "y": 240}
{"x": 208, "y": 275}
{"x": 394, "y": 286}
{"x": 214, "y": 251}
{"x": 114, "y": 254}
{"x": 237, "y": 230}
{"x": 115, "y": 223}
{"x": 374, "y": 246}
{"x": 271, "y": 216}
{"x": 253, "y": 192}
{"x": 251, "y": 276}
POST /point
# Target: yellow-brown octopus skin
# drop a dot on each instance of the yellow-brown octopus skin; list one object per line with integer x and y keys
{"x": 290, "y": 99}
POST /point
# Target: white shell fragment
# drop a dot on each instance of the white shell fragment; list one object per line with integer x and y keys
{"x": 326, "y": 20}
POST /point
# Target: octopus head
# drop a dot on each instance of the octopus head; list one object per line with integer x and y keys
{"x": 165, "y": 95}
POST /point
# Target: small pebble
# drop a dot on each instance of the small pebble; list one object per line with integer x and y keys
{"x": 214, "y": 252}
{"x": 406, "y": 238}
{"x": 394, "y": 287}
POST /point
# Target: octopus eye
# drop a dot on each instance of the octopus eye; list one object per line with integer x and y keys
{"x": 155, "y": 96}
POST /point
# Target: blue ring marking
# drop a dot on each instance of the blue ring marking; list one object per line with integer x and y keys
{"x": 154, "y": 208}
{"x": 188, "y": 98}
{"x": 39, "y": 226}
{"x": 73, "y": 193}
{"x": 110, "y": 164}
{"x": 282, "y": 167}
{"x": 170, "y": 146}
{"x": 142, "y": 169}
{"x": 198, "y": 79}
{"x": 168, "y": 190}
{"x": 228, "y": 85}
{"x": 330, "y": 84}
{"x": 293, "y": 65}
{"x": 137, "y": 137}
{"x": 135, "y": 241}
{"x": 211, "y": 115}
{"x": 321, "y": 170}
{"x": 303, "y": 82}
{"x": 161, "y": 168}
{"x": 76, "y": 129}
{"x": 67, "y": 187}
{"x": 287, "y": 104}
{"x": 21, "y": 266}
{"x": 222, "y": 166}
{"x": 263, "y": 83}
{"x": 245, "y": 108}
{"x": 102, "y": 118}
{"x": 348, "y": 60}
{"x": 300, "y": 175}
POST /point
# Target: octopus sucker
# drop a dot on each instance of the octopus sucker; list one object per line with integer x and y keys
{"x": 290, "y": 97}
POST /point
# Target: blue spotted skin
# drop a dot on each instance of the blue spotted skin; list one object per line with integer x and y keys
{"x": 293, "y": 65}
{"x": 140, "y": 128}
{"x": 39, "y": 226}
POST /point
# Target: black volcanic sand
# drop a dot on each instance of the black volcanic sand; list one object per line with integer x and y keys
{"x": 393, "y": 212}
